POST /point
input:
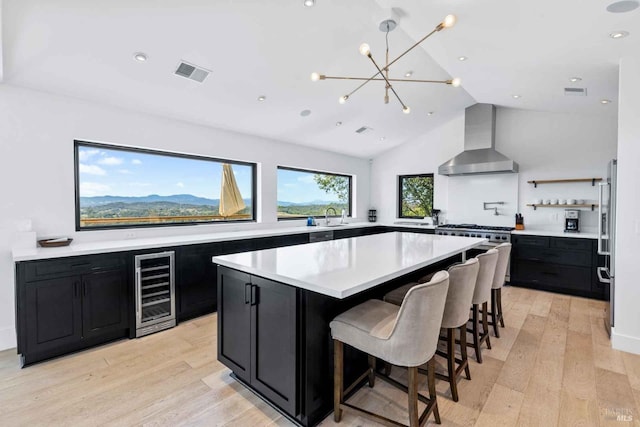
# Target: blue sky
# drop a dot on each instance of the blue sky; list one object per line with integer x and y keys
{"x": 299, "y": 187}
{"x": 124, "y": 173}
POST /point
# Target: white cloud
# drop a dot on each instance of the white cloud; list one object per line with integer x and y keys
{"x": 88, "y": 189}
{"x": 136, "y": 162}
{"x": 92, "y": 169}
{"x": 125, "y": 171}
{"x": 110, "y": 161}
{"x": 85, "y": 154}
{"x": 180, "y": 184}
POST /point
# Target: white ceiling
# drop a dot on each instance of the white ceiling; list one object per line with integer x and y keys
{"x": 269, "y": 47}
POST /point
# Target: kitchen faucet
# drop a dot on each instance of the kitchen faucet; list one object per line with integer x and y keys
{"x": 326, "y": 214}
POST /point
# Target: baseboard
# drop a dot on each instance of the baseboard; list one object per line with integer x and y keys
{"x": 7, "y": 338}
{"x": 625, "y": 342}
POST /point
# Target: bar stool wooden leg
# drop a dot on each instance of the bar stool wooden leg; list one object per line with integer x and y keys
{"x": 431, "y": 384}
{"x": 451, "y": 363}
{"x": 338, "y": 385}
{"x": 463, "y": 350}
{"x": 494, "y": 312}
{"x": 413, "y": 397}
{"x": 372, "y": 370}
{"x": 500, "y": 314}
{"x": 485, "y": 324}
{"x": 476, "y": 334}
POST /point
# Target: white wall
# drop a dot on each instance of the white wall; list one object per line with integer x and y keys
{"x": 626, "y": 333}
{"x": 36, "y": 169}
{"x": 546, "y": 146}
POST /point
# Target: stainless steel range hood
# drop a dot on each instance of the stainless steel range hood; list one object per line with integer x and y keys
{"x": 479, "y": 155}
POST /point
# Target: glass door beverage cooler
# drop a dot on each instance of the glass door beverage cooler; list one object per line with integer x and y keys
{"x": 155, "y": 292}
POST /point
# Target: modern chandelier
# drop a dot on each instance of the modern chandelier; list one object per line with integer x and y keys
{"x": 382, "y": 74}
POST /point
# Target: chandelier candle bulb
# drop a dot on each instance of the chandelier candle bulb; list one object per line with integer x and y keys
{"x": 456, "y": 82}
{"x": 406, "y": 110}
{"x": 315, "y": 77}
{"x": 365, "y": 49}
{"x": 343, "y": 99}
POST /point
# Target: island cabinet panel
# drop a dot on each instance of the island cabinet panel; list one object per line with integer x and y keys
{"x": 196, "y": 280}
{"x": 70, "y": 304}
{"x": 257, "y": 335}
{"x": 558, "y": 264}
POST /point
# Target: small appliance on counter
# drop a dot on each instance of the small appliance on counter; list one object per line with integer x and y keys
{"x": 519, "y": 222}
{"x": 571, "y": 220}
{"x": 434, "y": 216}
{"x": 372, "y": 215}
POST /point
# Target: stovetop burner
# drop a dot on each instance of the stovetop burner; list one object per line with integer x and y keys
{"x": 476, "y": 227}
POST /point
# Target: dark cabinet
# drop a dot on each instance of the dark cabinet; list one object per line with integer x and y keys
{"x": 68, "y": 304}
{"x": 257, "y": 335}
{"x": 104, "y": 302}
{"x": 196, "y": 283}
{"x": 558, "y": 264}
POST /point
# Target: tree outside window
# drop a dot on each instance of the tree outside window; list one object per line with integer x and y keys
{"x": 415, "y": 195}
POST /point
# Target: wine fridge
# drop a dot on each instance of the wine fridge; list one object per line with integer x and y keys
{"x": 155, "y": 292}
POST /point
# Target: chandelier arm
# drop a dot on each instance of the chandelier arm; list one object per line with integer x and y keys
{"x": 381, "y": 80}
{"x": 416, "y": 44}
{"x": 386, "y": 80}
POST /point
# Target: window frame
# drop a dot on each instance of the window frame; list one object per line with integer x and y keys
{"x": 400, "y": 196}
{"x": 76, "y": 166}
{"x": 298, "y": 218}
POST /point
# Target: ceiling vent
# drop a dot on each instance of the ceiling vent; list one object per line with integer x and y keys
{"x": 192, "y": 72}
{"x": 363, "y": 130}
{"x": 575, "y": 91}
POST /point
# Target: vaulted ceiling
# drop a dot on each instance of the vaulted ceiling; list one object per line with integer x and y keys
{"x": 269, "y": 48}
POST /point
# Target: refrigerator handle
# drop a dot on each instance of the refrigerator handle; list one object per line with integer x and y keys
{"x": 601, "y": 250}
{"x": 600, "y": 270}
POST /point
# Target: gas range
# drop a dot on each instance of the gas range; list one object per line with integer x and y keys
{"x": 495, "y": 235}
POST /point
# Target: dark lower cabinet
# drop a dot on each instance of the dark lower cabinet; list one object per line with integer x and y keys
{"x": 196, "y": 282}
{"x": 557, "y": 264}
{"x": 86, "y": 305}
{"x": 258, "y": 335}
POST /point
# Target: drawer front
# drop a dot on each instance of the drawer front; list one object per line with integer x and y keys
{"x": 556, "y": 276}
{"x": 538, "y": 241}
{"x": 554, "y": 256}
{"x": 62, "y": 267}
{"x": 572, "y": 244}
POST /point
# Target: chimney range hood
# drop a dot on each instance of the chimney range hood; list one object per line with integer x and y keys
{"x": 479, "y": 155}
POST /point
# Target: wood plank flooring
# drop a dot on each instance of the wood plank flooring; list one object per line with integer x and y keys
{"x": 553, "y": 365}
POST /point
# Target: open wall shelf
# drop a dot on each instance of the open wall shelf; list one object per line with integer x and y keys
{"x": 591, "y": 205}
{"x": 557, "y": 181}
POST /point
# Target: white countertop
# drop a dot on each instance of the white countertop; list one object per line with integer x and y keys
{"x": 341, "y": 268}
{"x": 556, "y": 233}
{"x": 88, "y": 248}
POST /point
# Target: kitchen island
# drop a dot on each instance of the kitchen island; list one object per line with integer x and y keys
{"x": 275, "y": 305}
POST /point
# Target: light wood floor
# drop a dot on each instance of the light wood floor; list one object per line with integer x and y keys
{"x": 552, "y": 366}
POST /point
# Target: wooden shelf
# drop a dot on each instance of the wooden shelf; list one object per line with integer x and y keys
{"x": 590, "y": 205}
{"x": 556, "y": 181}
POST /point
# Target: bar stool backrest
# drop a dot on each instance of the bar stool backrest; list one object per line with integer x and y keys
{"x": 462, "y": 284}
{"x": 488, "y": 261}
{"x": 504, "y": 253}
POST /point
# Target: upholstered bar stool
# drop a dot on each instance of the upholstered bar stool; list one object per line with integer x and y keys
{"x": 462, "y": 283}
{"x": 481, "y": 296}
{"x": 504, "y": 253}
{"x": 404, "y": 336}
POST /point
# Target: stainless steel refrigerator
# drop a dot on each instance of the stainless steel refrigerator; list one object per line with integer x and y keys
{"x": 607, "y": 239}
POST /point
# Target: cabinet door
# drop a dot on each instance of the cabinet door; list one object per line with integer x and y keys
{"x": 273, "y": 342}
{"x": 234, "y": 321}
{"x": 104, "y": 302}
{"x": 53, "y": 314}
{"x": 197, "y": 293}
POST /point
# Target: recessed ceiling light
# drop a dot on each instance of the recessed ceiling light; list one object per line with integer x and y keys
{"x": 575, "y": 79}
{"x": 338, "y": 123}
{"x": 618, "y": 34}
{"x": 382, "y": 138}
{"x": 623, "y": 6}
{"x": 262, "y": 98}
{"x": 605, "y": 101}
{"x": 408, "y": 73}
{"x": 309, "y": 3}
{"x": 305, "y": 113}
{"x": 516, "y": 96}
{"x": 430, "y": 113}
{"x": 462, "y": 58}
{"x": 140, "y": 57}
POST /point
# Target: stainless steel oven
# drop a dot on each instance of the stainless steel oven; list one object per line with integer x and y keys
{"x": 494, "y": 236}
